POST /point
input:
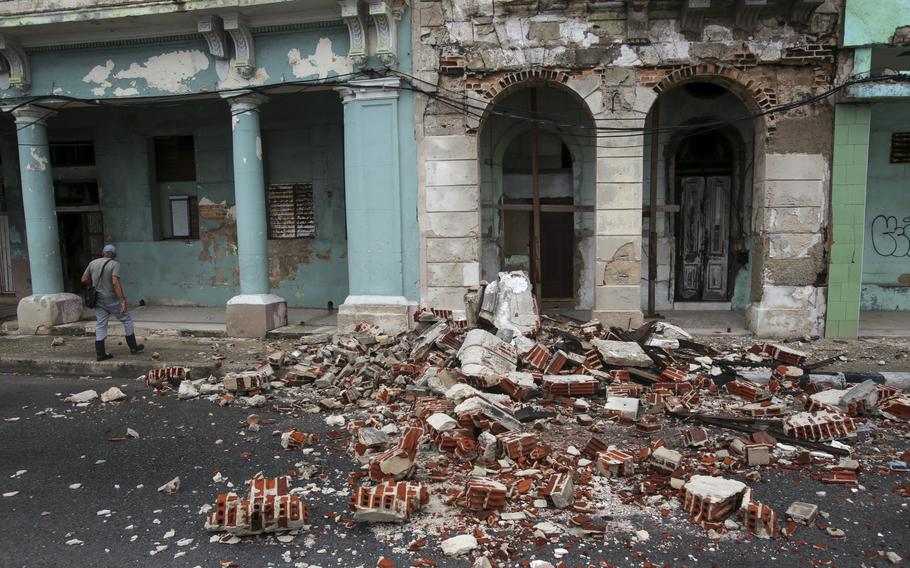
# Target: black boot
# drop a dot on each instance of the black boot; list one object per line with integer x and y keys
{"x": 134, "y": 347}
{"x": 100, "y": 352}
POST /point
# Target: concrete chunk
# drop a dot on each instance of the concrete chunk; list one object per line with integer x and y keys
{"x": 622, "y": 353}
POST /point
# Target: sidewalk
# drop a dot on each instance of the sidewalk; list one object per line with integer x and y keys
{"x": 199, "y": 322}
{"x": 76, "y": 356}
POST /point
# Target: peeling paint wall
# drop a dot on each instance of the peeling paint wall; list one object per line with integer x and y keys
{"x": 297, "y": 147}
{"x": 886, "y": 249}
{"x": 182, "y": 65}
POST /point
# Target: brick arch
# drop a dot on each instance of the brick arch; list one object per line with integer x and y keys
{"x": 491, "y": 87}
{"x": 755, "y": 91}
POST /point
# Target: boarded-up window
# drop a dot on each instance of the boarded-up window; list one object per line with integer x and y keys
{"x": 175, "y": 158}
{"x": 290, "y": 210}
{"x": 900, "y": 147}
{"x": 184, "y": 217}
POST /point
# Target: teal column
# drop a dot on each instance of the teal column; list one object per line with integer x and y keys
{"x": 249, "y": 194}
{"x": 848, "y": 218}
{"x": 38, "y": 200}
{"x": 372, "y": 188}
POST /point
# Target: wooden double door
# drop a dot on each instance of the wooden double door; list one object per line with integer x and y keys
{"x": 703, "y": 238}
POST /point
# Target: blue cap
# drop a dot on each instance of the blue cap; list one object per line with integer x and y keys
{"x": 109, "y": 248}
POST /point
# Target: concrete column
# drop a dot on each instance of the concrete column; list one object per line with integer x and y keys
{"x": 373, "y": 207}
{"x": 255, "y": 311}
{"x": 617, "y": 249}
{"x": 48, "y": 305}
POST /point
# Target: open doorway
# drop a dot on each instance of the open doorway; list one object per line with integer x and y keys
{"x": 697, "y": 254}
{"x": 537, "y": 188}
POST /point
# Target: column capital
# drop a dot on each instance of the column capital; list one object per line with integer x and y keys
{"x": 369, "y": 89}
{"x": 245, "y": 101}
{"x": 31, "y": 114}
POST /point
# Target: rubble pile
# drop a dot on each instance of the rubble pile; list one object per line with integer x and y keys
{"x": 522, "y": 428}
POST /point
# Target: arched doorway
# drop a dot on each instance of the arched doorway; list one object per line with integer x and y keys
{"x": 537, "y": 191}
{"x": 703, "y": 219}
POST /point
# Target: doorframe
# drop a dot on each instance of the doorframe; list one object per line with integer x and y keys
{"x": 674, "y": 176}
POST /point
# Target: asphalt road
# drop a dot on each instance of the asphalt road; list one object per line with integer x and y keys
{"x": 59, "y": 445}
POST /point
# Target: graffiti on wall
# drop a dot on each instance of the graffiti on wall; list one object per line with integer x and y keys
{"x": 891, "y": 237}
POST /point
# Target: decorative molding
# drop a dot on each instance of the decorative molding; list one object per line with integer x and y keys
{"x": 802, "y": 10}
{"x": 244, "y": 101}
{"x": 29, "y": 115}
{"x": 212, "y": 29}
{"x": 180, "y": 38}
{"x": 244, "y": 50}
{"x": 747, "y": 13}
{"x": 385, "y": 16}
{"x": 20, "y": 73}
{"x": 369, "y": 89}
{"x": 692, "y": 15}
{"x": 637, "y": 20}
{"x": 352, "y": 15}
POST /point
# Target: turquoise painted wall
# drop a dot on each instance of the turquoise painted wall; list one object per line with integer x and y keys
{"x": 886, "y": 250}
{"x": 302, "y": 142}
{"x": 868, "y": 22}
{"x": 182, "y": 65}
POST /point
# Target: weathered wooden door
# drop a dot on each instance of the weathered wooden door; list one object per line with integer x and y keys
{"x": 704, "y": 238}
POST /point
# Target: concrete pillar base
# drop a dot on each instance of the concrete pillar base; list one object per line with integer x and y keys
{"x": 391, "y": 313}
{"x": 787, "y": 312}
{"x": 626, "y": 319}
{"x": 47, "y": 310}
{"x": 253, "y": 315}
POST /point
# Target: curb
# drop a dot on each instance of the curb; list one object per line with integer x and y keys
{"x": 114, "y": 368}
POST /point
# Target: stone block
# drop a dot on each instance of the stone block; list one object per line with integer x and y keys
{"x": 453, "y": 273}
{"x": 619, "y": 222}
{"x": 452, "y": 224}
{"x": 621, "y": 318}
{"x": 792, "y": 219}
{"x": 451, "y": 172}
{"x": 794, "y": 193}
{"x": 254, "y": 315}
{"x": 618, "y": 297}
{"x": 619, "y": 196}
{"x": 796, "y": 167}
{"x": 445, "y": 297}
{"x": 390, "y": 313}
{"x": 453, "y": 198}
{"x": 619, "y": 170}
{"x": 793, "y": 245}
{"x": 44, "y": 311}
{"x": 453, "y": 250}
{"x": 455, "y": 147}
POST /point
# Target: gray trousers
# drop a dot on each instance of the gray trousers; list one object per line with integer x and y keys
{"x": 104, "y": 309}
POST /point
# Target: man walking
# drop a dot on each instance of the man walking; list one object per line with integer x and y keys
{"x": 104, "y": 274}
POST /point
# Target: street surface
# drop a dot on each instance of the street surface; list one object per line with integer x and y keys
{"x": 122, "y": 520}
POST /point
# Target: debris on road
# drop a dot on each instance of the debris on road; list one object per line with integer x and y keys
{"x": 498, "y": 419}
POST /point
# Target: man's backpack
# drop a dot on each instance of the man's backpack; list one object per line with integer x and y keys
{"x": 90, "y": 294}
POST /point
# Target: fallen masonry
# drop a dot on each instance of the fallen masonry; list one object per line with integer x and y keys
{"x": 516, "y": 429}
{"x": 268, "y": 507}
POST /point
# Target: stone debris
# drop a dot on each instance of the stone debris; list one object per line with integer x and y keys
{"x": 82, "y": 397}
{"x": 496, "y": 428}
{"x": 171, "y": 487}
{"x": 112, "y": 394}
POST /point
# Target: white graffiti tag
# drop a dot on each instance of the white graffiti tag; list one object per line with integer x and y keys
{"x": 889, "y": 238}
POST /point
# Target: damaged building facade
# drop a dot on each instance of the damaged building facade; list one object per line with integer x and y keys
{"x": 555, "y": 125}
{"x": 870, "y": 203}
{"x": 237, "y": 153}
